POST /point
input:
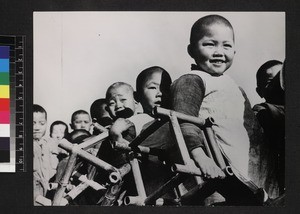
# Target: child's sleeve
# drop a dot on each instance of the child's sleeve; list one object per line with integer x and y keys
{"x": 187, "y": 94}
{"x": 269, "y": 115}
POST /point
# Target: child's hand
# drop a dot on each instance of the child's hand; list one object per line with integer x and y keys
{"x": 258, "y": 108}
{"x": 119, "y": 126}
{"x": 207, "y": 166}
{"x": 98, "y": 127}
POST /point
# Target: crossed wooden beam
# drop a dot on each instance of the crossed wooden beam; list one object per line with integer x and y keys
{"x": 181, "y": 171}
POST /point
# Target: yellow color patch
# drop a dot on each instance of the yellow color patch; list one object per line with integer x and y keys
{"x": 4, "y": 91}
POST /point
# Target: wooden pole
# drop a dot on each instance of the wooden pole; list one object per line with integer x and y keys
{"x": 64, "y": 180}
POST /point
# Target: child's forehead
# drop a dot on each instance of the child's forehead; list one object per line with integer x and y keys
{"x": 59, "y": 126}
{"x": 82, "y": 115}
{"x": 270, "y": 72}
{"x": 153, "y": 77}
{"x": 274, "y": 69}
{"x": 39, "y": 115}
{"x": 120, "y": 91}
{"x": 210, "y": 30}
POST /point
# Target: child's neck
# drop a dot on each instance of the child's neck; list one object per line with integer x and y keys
{"x": 195, "y": 67}
{"x": 37, "y": 140}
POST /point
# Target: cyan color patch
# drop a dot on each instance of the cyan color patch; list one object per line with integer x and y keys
{"x": 4, "y": 65}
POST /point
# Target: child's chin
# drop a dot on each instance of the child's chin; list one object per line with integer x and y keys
{"x": 37, "y": 137}
{"x": 218, "y": 72}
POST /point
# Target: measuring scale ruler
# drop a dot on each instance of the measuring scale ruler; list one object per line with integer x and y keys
{"x": 16, "y": 161}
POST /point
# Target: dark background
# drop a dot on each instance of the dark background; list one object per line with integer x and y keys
{"x": 16, "y": 18}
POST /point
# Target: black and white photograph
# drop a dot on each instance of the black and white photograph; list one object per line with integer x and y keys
{"x": 159, "y": 108}
{"x": 149, "y": 106}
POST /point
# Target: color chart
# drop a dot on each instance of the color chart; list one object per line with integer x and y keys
{"x": 4, "y": 105}
{"x": 12, "y": 148}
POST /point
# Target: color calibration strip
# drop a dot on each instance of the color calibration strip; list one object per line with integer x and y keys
{"x": 4, "y": 105}
{"x": 12, "y": 103}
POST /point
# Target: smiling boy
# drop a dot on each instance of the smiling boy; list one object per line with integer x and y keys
{"x": 207, "y": 92}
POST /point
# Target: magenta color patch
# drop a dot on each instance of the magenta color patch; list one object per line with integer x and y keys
{"x": 4, "y": 117}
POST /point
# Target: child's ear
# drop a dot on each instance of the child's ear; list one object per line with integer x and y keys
{"x": 71, "y": 125}
{"x": 190, "y": 50}
{"x": 259, "y": 92}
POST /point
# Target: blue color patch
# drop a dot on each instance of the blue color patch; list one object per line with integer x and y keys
{"x": 4, "y": 52}
{"x": 4, "y": 65}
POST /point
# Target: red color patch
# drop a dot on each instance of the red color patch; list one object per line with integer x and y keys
{"x": 4, "y": 104}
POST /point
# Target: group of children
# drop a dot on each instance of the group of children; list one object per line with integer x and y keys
{"x": 204, "y": 92}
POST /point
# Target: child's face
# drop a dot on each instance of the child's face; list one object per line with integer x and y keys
{"x": 267, "y": 89}
{"x": 39, "y": 125}
{"x": 214, "y": 52}
{"x": 58, "y": 132}
{"x": 151, "y": 94}
{"x": 82, "y": 121}
{"x": 120, "y": 98}
{"x": 270, "y": 74}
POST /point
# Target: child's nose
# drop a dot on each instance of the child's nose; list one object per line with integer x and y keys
{"x": 36, "y": 127}
{"x": 159, "y": 93}
{"x": 118, "y": 105}
{"x": 218, "y": 51}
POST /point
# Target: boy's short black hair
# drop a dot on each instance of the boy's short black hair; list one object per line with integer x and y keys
{"x": 77, "y": 113}
{"x": 166, "y": 80}
{"x": 96, "y": 105}
{"x": 58, "y": 122}
{"x": 100, "y": 114}
{"x": 261, "y": 72}
{"x": 116, "y": 85}
{"x": 199, "y": 28}
{"x": 38, "y": 108}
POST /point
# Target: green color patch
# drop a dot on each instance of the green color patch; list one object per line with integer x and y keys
{"x": 4, "y": 78}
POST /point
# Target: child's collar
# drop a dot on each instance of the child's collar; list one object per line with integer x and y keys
{"x": 41, "y": 141}
{"x": 197, "y": 68}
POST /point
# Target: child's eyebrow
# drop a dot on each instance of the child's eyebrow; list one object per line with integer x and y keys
{"x": 229, "y": 41}
{"x": 152, "y": 82}
{"x": 214, "y": 40}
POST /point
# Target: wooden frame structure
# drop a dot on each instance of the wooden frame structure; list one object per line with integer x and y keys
{"x": 181, "y": 171}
